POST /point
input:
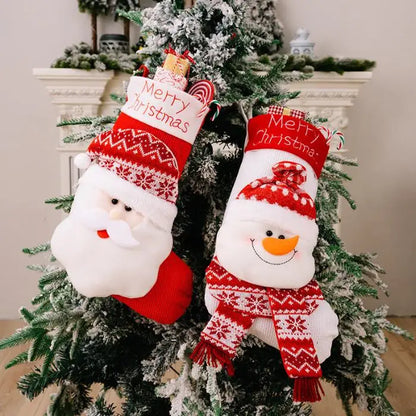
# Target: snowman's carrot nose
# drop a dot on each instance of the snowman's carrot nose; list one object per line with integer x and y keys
{"x": 279, "y": 247}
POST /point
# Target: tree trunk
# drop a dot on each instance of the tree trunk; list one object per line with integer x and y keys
{"x": 189, "y": 4}
{"x": 94, "y": 32}
{"x": 126, "y": 24}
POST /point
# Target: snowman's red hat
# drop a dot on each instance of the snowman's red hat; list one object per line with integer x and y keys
{"x": 278, "y": 199}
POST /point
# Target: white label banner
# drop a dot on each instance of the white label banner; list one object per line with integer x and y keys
{"x": 165, "y": 108}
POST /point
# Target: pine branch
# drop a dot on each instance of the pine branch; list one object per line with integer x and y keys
{"x": 134, "y": 16}
{"x": 77, "y": 121}
{"x": 19, "y": 359}
{"x": 52, "y": 277}
{"x": 39, "y": 347}
{"x": 62, "y": 202}
{"x": 101, "y": 408}
{"x": 26, "y": 315}
{"x": 332, "y": 157}
{"x": 41, "y": 248}
{"x": 119, "y": 99}
{"x": 21, "y": 336}
{"x": 78, "y": 137}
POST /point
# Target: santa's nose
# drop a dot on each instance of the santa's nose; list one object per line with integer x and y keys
{"x": 279, "y": 247}
{"x": 117, "y": 213}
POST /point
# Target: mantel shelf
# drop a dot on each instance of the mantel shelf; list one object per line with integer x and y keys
{"x": 79, "y": 93}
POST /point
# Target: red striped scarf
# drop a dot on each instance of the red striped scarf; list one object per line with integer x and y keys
{"x": 239, "y": 304}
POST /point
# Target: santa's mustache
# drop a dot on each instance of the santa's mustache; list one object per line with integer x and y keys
{"x": 118, "y": 230}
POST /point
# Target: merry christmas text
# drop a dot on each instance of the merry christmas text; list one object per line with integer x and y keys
{"x": 170, "y": 109}
{"x": 274, "y": 134}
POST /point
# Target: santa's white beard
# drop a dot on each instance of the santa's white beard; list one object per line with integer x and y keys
{"x": 99, "y": 267}
{"x": 240, "y": 252}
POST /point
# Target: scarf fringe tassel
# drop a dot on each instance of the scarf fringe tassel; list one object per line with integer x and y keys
{"x": 307, "y": 389}
{"x": 213, "y": 356}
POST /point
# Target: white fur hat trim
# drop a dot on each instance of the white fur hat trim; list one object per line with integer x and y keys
{"x": 159, "y": 211}
{"x": 251, "y": 210}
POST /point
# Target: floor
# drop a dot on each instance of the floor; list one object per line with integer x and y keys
{"x": 400, "y": 359}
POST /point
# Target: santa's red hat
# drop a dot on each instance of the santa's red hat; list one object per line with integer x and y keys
{"x": 278, "y": 199}
{"x": 172, "y": 115}
{"x": 137, "y": 168}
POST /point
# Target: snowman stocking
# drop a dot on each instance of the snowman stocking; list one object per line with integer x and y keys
{"x": 117, "y": 239}
{"x": 261, "y": 278}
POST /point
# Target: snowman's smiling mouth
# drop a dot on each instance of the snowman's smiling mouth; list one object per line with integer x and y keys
{"x": 268, "y": 262}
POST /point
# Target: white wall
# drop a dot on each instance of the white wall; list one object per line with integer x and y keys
{"x": 380, "y": 132}
{"x": 33, "y": 34}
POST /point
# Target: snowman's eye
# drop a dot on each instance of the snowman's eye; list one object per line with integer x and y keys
{"x": 269, "y": 233}
{"x": 126, "y": 208}
{"x": 281, "y": 237}
{"x": 114, "y": 201}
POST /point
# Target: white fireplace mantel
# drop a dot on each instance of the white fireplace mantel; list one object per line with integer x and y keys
{"x": 329, "y": 95}
{"x": 78, "y": 93}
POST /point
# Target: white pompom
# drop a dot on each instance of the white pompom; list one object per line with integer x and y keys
{"x": 82, "y": 161}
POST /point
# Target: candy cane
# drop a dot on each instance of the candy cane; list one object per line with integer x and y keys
{"x": 217, "y": 109}
{"x": 330, "y": 135}
{"x": 204, "y": 92}
{"x": 326, "y": 133}
{"x": 340, "y": 135}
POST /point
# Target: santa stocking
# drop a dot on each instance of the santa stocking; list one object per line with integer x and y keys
{"x": 117, "y": 239}
{"x": 261, "y": 280}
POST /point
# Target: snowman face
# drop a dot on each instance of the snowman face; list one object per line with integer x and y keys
{"x": 265, "y": 254}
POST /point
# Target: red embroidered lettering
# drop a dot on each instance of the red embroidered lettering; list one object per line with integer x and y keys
{"x": 167, "y": 119}
{"x": 158, "y": 94}
{"x": 152, "y": 111}
{"x": 185, "y": 127}
{"x": 146, "y": 87}
{"x": 183, "y": 107}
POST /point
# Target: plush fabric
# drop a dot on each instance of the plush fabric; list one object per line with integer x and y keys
{"x": 159, "y": 210}
{"x": 262, "y": 275}
{"x": 323, "y": 324}
{"x": 169, "y": 297}
{"x": 117, "y": 238}
{"x": 240, "y": 303}
{"x": 165, "y": 108}
{"x": 100, "y": 266}
{"x": 291, "y": 134}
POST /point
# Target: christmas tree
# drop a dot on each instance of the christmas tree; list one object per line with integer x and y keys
{"x": 82, "y": 341}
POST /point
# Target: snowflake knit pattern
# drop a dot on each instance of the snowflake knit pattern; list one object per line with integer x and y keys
{"x": 140, "y": 158}
{"x": 239, "y": 304}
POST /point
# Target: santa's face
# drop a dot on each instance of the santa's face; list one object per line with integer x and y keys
{"x": 265, "y": 254}
{"x": 107, "y": 247}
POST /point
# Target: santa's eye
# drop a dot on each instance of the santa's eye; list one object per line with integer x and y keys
{"x": 114, "y": 201}
{"x": 281, "y": 237}
{"x": 126, "y": 208}
{"x": 269, "y": 233}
